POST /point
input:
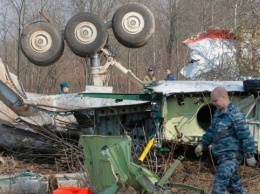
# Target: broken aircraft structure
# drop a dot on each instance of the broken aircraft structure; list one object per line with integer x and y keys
{"x": 173, "y": 111}
{"x": 178, "y": 111}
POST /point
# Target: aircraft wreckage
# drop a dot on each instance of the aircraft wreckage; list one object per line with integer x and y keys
{"x": 168, "y": 111}
{"x": 178, "y": 111}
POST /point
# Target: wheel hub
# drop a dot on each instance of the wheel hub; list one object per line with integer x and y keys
{"x": 40, "y": 41}
{"x": 85, "y": 32}
{"x": 133, "y": 22}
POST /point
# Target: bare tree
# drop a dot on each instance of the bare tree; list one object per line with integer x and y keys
{"x": 175, "y": 21}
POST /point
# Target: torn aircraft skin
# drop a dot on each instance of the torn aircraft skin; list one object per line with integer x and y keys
{"x": 26, "y": 117}
{"x": 169, "y": 111}
{"x": 165, "y": 111}
{"x": 214, "y": 52}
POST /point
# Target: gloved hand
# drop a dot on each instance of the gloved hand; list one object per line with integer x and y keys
{"x": 198, "y": 150}
{"x": 251, "y": 161}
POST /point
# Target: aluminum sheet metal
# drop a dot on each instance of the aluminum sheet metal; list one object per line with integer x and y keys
{"x": 171, "y": 87}
{"x": 69, "y": 102}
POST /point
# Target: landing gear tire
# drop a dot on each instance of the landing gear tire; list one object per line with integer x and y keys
{"x": 86, "y": 34}
{"x": 252, "y": 86}
{"x": 42, "y": 44}
{"x": 133, "y": 25}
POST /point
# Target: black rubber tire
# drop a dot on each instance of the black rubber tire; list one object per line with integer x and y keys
{"x": 90, "y": 42}
{"x": 133, "y": 36}
{"x": 251, "y": 86}
{"x": 42, "y": 44}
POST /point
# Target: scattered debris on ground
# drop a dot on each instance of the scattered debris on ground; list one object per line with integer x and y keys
{"x": 198, "y": 172}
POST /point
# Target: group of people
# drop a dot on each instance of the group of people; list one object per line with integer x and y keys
{"x": 150, "y": 77}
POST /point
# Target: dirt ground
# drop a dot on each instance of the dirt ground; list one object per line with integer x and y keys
{"x": 201, "y": 174}
{"x": 10, "y": 165}
{"x": 198, "y": 172}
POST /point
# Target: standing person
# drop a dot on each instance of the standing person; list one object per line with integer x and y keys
{"x": 169, "y": 75}
{"x": 64, "y": 88}
{"x": 230, "y": 138}
{"x": 150, "y": 76}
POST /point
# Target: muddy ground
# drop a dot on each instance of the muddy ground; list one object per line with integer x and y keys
{"x": 198, "y": 172}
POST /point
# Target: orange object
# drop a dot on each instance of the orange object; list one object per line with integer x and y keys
{"x": 72, "y": 190}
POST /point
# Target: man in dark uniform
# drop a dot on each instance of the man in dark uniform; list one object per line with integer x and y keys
{"x": 230, "y": 138}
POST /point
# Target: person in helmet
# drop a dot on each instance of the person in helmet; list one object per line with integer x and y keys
{"x": 64, "y": 88}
